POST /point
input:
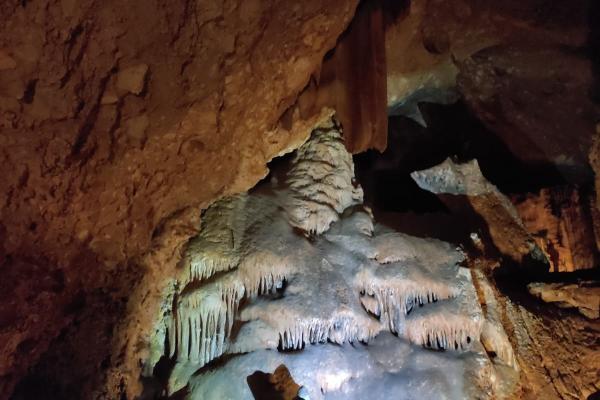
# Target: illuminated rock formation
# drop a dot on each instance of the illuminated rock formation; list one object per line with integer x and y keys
{"x": 121, "y": 123}
{"x": 295, "y": 264}
{"x": 560, "y": 220}
{"x": 504, "y": 223}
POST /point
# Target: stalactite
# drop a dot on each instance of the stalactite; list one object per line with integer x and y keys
{"x": 345, "y": 280}
{"x": 204, "y": 321}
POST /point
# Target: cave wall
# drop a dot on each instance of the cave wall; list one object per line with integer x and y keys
{"x": 527, "y": 73}
{"x": 514, "y": 64}
{"x": 119, "y": 121}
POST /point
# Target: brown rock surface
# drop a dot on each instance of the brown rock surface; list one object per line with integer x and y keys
{"x": 280, "y": 384}
{"x": 357, "y": 73}
{"x": 437, "y": 33}
{"x": 557, "y": 351}
{"x": 516, "y": 90}
{"x": 584, "y": 296}
{"x": 408, "y": 74}
{"x": 594, "y": 156}
{"x": 560, "y": 220}
{"x": 117, "y": 120}
{"x": 352, "y": 81}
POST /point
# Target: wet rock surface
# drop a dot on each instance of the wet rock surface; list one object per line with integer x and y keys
{"x": 298, "y": 265}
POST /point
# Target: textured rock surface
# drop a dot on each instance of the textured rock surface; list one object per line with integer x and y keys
{"x": 359, "y": 87}
{"x": 560, "y": 219}
{"x": 115, "y": 118}
{"x": 120, "y": 121}
{"x": 386, "y": 367}
{"x": 584, "y": 296}
{"x": 298, "y": 263}
{"x": 438, "y": 34}
{"x": 516, "y": 90}
{"x": 594, "y": 156}
{"x": 558, "y": 351}
{"x": 423, "y": 70}
{"x": 503, "y": 222}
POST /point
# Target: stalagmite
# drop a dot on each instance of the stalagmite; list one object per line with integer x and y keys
{"x": 493, "y": 337}
{"x": 321, "y": 182}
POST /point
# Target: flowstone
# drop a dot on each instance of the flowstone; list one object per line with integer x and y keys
{"x": 299, "y": 264}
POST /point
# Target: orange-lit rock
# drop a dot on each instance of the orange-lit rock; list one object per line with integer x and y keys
{"x": 560, "y": 221}
{"x": 594, "y": 157}
{"x": 583, "y": 296}
{"x": 116, "y": 119}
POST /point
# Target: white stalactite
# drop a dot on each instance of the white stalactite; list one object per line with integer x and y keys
{"x": 346, "y": 283}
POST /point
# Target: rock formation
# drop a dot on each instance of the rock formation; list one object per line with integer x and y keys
{"x": 127, "y": 128}
{"x": 584, "y": 296}
{"x": 561, "y": 221}
{"x": 119, "y": 122}
{"x": 298, "y": 263}
{"x": 504, "y": 224}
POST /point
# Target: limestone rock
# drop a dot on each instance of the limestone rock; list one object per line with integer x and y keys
{"x": 428, "y": 41}
{"x": 430, "y": 75}
{"x": 594, "y": 156}
{"x": 132, "y": 79}
{"x": 504, "y": 224}
{"x": 136, "y": 127}
{"x": 584, "y": 296}
{"x": 457, "y": 179}
{"x": 85, "y": 203}
{"x": 322, "y": 182}
{"x": 515, "y": 91}
{"x": 287, "y": 285}
{"x": 380, "y": 370}
{"x": 549, "y": 346}
{"x": 6, "y": 61}
{"x": 560, "y": 219}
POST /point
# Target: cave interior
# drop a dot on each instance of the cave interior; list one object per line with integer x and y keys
{"x": 255, "y": 199}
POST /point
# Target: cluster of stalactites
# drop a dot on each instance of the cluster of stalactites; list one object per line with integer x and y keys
{"x": 391, "y": 303}
{"x": 443, "y": 332}
{"x": 338, "y": 330}
{"x": 205, "y": 317}
{"x": 321, "y": 182}
{"x": 205, "y": 266}
{"x": 265, "y": 284}
{"x": 203, "y": 323}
